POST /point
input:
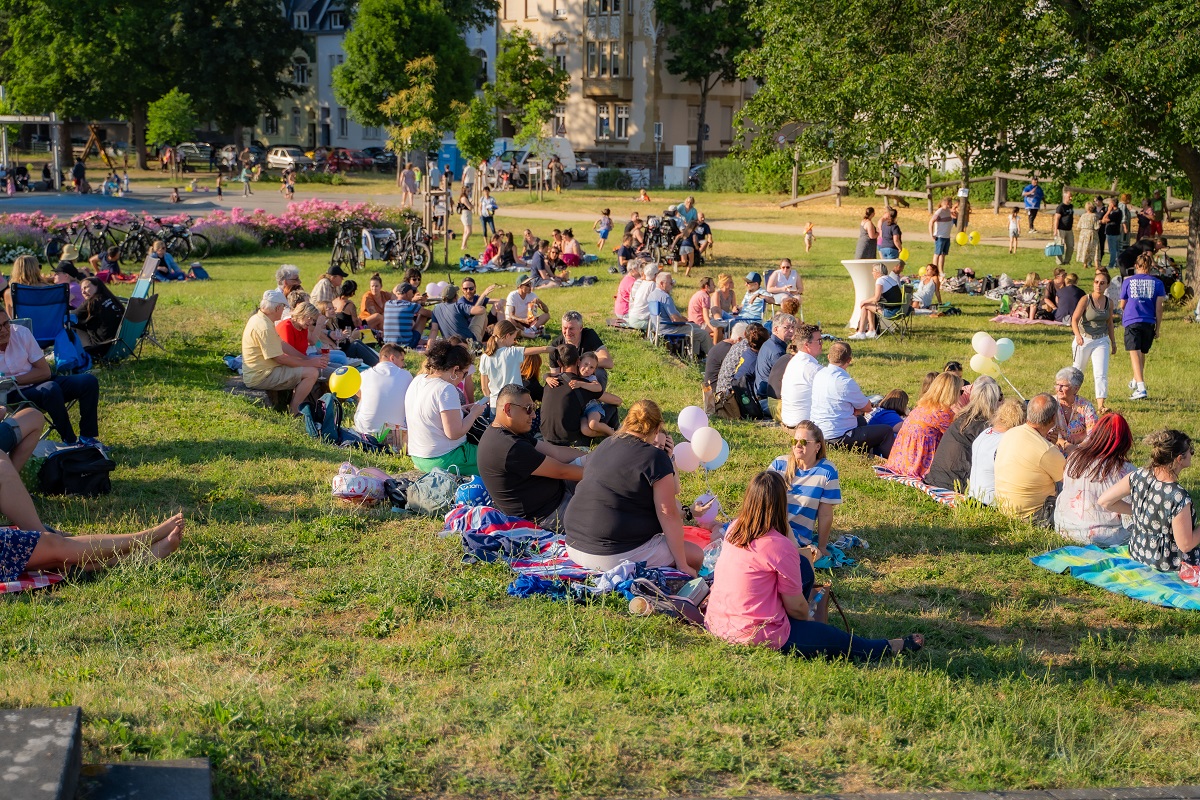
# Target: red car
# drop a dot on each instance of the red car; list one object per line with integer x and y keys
{"x": 344, "y": 159}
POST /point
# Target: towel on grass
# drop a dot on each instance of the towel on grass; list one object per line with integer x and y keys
{"x": 947, "y": 497}
{"x": 27, "y": 581}
{"x": 1009, "y": 319}
{"x": 1112, "y": 569}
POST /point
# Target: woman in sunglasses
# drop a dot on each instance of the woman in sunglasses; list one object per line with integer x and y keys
{"x": 813, "y": 489}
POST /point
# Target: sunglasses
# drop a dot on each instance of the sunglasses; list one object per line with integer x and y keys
{"x": 801, "y": 443}
{"x": 529, "y": 409}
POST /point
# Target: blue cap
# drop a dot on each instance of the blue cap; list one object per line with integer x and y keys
{"x": 753, "y": 277}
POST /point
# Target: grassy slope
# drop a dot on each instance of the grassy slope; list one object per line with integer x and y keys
{"x": 314, "y": 651}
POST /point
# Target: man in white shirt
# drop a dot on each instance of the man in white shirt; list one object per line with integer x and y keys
{"x": 838, "y": 406}
{"x": 796, "y": 389}
{"x": 468, "y": 180}
{"x": 639, "y": 298}
{"x": 381, "y": 398}
{"x": 941, "y": 225}
{"x": 517, "y": 306}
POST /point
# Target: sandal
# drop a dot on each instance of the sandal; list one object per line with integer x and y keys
{"x": 913, "y": 643}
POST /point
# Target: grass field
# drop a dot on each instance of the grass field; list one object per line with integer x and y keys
{"x": 313, "y": 651}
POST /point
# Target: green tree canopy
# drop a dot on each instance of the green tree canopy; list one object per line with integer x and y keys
{"x": 476, "y": 131}
{"x": 706, "y": 38}
{"x": 529, "y": 84}
{"x": 171, "y": 119}
{"x": 384, "y": 38}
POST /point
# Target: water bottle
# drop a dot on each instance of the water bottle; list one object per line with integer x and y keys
{"x": 816, "y": 601}
{"x": 710, "y": 557}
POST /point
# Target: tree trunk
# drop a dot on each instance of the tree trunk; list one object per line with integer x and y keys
{"x": 137, "y": 130}
{"x": 701, "y": 116}
{"x": 1189, "y": 160}
{"x": 964, "y": 205}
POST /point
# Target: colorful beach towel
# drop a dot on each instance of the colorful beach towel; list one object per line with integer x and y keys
{"x": 27, "y": 581}
{"x": 1112, "y": 569}
{"x": 1009, "y": 319}
{"x": 946, "y": 497}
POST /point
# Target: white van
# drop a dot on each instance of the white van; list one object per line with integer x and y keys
{"x": 529, "y": 162}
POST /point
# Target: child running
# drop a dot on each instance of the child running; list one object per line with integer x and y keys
{"x": 808, "y": 237}
{"x": 602, "y": 228}
{"x": 1014, "y": 230}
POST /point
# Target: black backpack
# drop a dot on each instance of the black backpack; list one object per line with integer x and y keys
{"x": 79, "y": 471}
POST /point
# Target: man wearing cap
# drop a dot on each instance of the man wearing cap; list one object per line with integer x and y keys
{"x": 269, "y": 363}
{"x": 66, "y": 273}
{"x": 523, "y": 307}
{"x": 327, "y": 286}
{"x": 754, "y": 301}
{"x": 400, "y": 315}
{"x": 670, "y": 321}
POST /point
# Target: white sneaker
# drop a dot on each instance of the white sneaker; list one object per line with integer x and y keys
{"x": 1139, "y": 394}
{"x": 1132, "y": 385}
{"x": 857, "y": 336}
{"x": 871, "y": 335}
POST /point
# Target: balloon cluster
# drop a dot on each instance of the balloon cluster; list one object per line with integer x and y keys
{"x": 705, "y": 446}
{"x": 436, "y": 290}
{"x": 990, "y": 354}
{"x": 963, "y": 238}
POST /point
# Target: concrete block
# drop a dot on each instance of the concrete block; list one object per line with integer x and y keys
{"x": 40, "y": 753}
{"x": 183, "y": 779}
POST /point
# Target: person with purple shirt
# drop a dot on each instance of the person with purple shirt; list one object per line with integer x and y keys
{"x": 1142, "y": 298}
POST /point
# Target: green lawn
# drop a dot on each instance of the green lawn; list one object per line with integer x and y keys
{"x": 313, "y": 651}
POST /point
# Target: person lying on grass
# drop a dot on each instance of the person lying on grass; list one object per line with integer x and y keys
{"x": 30, "y": 545}
{"x": 762, "y": 586}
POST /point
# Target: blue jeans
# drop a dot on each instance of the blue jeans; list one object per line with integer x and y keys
{"x": 1113, "y": 242}
{"x": 889, "y": 252}
{"x": 486, "y": 222}
{"x": 53, "y": 395}
{"x": 810, "y": 639}
{"x": 360, "y": 350}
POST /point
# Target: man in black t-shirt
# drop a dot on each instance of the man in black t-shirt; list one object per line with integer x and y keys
{"x": 564, "y": 409}
{"x": 1064, "y": 233}
{"x": 585, "y": 340}
{"x": 526, "y": 478}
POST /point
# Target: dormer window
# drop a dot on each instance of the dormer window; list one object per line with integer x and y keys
{"x": 300, "y": 20}
{"x": 336, "y": 20}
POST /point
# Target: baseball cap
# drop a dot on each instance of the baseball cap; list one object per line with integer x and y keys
{"x": 336, "y": 270}
{"x": 753, "y": 277}
{"x": 67, "y": 268}
{"x": 405, "y": 288}
{"x": 274, "y": 296}
{"x": 525, "y": 280}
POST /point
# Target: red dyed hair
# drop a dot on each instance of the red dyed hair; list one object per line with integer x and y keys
{"x": 1104, "y": 451}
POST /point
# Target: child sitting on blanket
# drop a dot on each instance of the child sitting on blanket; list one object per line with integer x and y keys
{"x": 1027, "y": 298}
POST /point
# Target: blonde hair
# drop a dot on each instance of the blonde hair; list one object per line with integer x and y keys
{"x": 724, "y": 281}
{"x": 503, "y": 328}
{"x": 643, "y": 420}
{"x": 942, "y": 393}
{"x": 27, "y": 272}
{"x": 811, "y": 432}
{"x": 1032, "y": 280}
{"x": 1010, "y": 414}
{"x": 305, "y": 311}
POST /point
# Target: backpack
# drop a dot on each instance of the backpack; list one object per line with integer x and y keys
{"x": 81, "y": 471}
{"x": 323, "y": 420}
{"x": 69, "y": 356}
{"x": 747, "y": 403}
{"x": 197, "y": 272}
{"x": 433, "y": 494}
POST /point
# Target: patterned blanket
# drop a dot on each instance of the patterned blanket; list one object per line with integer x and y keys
{"x": 1009, "y": 319}
{"x": 31, "y": 580}
{"x": 946, "y": 497}
{"x": 1112, "y": 569}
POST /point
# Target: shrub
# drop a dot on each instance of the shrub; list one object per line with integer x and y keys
{"x": 327, "y": 178}
{"x": 230, "y": 238}
{"x": 771, "y": 173}
{"x": 19, "y": 240}
{"x": 607, "y": 178}
{"x": 724, "y": 175}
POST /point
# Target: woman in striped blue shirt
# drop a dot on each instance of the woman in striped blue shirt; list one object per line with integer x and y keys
{"x": 813, "y": 488}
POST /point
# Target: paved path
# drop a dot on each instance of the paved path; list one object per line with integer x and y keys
{"x": 1132, "y": 793}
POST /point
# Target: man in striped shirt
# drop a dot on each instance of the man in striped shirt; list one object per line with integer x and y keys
{"x": 400, "y": 316}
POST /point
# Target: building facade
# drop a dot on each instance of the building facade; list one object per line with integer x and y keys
{"x": 621, "y": 94}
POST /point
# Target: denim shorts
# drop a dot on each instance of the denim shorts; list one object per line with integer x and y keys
{"x": 889, "y": 252}
{"x": 941, "y": 246}
{"x": 594, "y": 407}
{"x": 10, "y": 435}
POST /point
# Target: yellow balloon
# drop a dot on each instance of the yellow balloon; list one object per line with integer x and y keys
{"x": 345, "y": 382}
{"x": 961, "y": 238}
{"x": 1178, "y": 290}
{"x": 974, "y": 237}
{"x": 904, "y": 254}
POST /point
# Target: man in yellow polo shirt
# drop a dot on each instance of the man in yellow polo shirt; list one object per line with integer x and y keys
{"x": 1029, "y": 467}
{"x": 271, "y": 364}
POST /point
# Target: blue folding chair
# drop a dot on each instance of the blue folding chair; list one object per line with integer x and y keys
{"x": 654, "y": 331}
{"x": 47, "y": 307}
{"x": 133, "y": 331}
{"x": 145, "y": 282}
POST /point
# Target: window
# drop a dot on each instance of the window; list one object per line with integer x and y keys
{"x": 300, "y": 20}
{"x": 592, "y": 67}
{"x": 607, "y": 6}
{"x": 614, "y": 58}
{"x": 482, "y": 78}
{"x": 622, "y": 131}
{"x": 300, "y": 72}
{"x": 530, "y": 9}
{"x": 560, "y": 11}
{"x": 593, "y": 7}
{"x": 296, "y": 119}
{"x": 602, "y": 129}
{"x": 603, "y": 47}
{"x": 271, "y": 125}
{"x": 560, "y": 56}
{"x": 560, "y": 120}
{"x": 343, "y": 123}
{"x": 371, "y": 132}
{"x": 336, "y": 20}
{"x": 509, "y": 8}
{"x": 334, "y": 61}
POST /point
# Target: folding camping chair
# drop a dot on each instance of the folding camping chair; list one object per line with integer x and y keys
{"x": 48, "y": 308}
{"x": 133, "y": 331}
{"x": 654, "y": 330}
{"x": 8, "y": 385}
{"x": 900, "y": 323}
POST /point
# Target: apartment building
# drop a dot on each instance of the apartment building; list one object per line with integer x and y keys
{"x": 621, "y": 94}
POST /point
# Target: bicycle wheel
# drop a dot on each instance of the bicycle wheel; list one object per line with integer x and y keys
{"x": 135, "y": 248}
{"x": 420, "y": 256}
{"x": 53, "y": 249}
{"x": 624, "y": 183}
{"x": 179, "y": 247}
{"x": 344, "y": 256}
{"x": 200, "y": 246}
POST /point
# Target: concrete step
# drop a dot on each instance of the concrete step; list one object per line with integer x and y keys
{"x": 183, "y": 779}
{"x": 40, "y": 753}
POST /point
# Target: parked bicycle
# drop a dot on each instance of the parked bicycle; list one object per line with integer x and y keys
{"x": 345, "y": 246}
{"x": 137, "y": 242}
{"x": 181, "y": 241}
{"x": 414, "y": 246}
{"x": 77, "y": 233}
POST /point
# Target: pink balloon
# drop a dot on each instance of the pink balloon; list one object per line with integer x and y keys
{"x": 984, "y": 344}
{"x": 685, "y": 459}
{"x": 692, "y": 419}
{"x": 706, "y": 443}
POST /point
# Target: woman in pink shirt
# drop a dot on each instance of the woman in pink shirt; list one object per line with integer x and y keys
{"x": 700, "y": 309}
{"x": 634, "y": 272}
{"x": 761, "y": 586}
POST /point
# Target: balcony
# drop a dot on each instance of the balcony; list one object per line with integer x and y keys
{"x": 608, "y": 88}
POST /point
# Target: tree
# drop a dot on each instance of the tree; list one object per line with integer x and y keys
{"x": 529, "y": 84}
{"x": 410, "y": 111}
{"x": 384, "y": 38}
{"x": 706, "y": 38}
{"x": 171, "y": 119}
{"x": 476, "y": 131}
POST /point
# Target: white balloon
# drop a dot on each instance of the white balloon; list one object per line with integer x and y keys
{"x": 692, "y": 419}
{"x": 706, "y": 443}
{"x": 685, "y": 459}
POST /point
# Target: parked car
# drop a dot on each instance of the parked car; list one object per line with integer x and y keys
{"x": 696, "y": 176}
{"x": 582, "y": 167}
{"x": 346, "y": 160}
{"x": 385, "y": 160}
{"x": 195, "y": 152}
{"x": 288, "y": 157}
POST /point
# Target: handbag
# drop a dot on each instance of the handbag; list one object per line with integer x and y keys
{"x": 1054, "y": 250}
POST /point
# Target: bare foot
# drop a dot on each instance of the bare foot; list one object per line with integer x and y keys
{"x": 161, "y": 549}
{"x": 164, "y": 529}
{"x": 912, "y": 643}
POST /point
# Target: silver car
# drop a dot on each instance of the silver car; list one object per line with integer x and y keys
{"x": 285, "y": 157}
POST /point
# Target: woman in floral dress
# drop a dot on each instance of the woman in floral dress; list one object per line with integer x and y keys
{"x": 912, "y": 454}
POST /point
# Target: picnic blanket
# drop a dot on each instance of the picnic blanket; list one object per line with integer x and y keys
{"x": 946, "y": 497}
{"x": 1111, "y": 568}
{"x": 1009, "y": 319}
{"x": 28, "y": 581}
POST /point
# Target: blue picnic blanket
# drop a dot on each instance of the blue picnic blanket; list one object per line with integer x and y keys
{"x": 1111, "y": 568}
